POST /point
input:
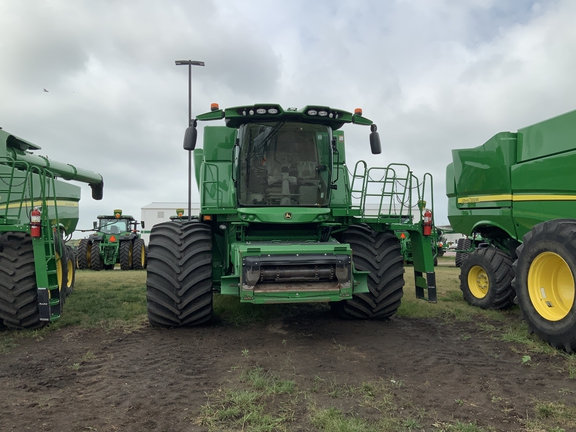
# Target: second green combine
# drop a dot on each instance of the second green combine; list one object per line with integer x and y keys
{"x": 38, "y": 214}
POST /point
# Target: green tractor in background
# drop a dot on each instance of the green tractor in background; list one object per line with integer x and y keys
{"x": 515, "y": 198}
{"x": 38, "y": 214}
{"x": 282, "y": 220}
{"x": 116, "y": 240}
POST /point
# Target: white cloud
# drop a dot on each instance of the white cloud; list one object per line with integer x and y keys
{"x": 433, "y": 75}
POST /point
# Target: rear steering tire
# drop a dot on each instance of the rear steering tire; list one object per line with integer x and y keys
{"x": 380, "y": 254}
{"x": 179, "y": 276}
{"x": 486, "y": 278}
{"x": 544, "y": 283}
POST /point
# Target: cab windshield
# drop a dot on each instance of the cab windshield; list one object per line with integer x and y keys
{"x": 113, "y": 226}
{"x": 284, "y": 164}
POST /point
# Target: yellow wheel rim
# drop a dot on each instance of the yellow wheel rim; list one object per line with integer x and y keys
{"x": 130, "y": 256}
{"x": 551, "y": 286}
{"x": 59, "y": 272}
{"x": 70, "y": 273}
{"x": 478, "y": 282}
{"x": 143, "y": 256}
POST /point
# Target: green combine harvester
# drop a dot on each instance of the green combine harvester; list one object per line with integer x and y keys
{"x": 116, "y": 240}
{"x": 283, "y": 221}
{"x": 38, "y": 213}
{"x": 515, "y": 197}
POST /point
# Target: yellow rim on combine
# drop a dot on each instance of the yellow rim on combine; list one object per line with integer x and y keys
{"x": 551, "y": 286}
{"x": 143, "y": 255}
{"x": 70, "y": 272}
{"x": 59, "y": 272}
{"x": 478, "y": 282}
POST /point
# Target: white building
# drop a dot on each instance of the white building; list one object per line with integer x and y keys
{"x": 157, "y": 212}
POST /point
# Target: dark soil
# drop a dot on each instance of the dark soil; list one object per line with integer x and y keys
{"x": 157, "y": 379}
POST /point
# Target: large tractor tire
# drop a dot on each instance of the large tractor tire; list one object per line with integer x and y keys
{"x": 380, "y": 254}
{"x": 545, "y": 274}
{"x": 462, "y": 244}
{"x": 126, "y": 253}
{"x": 139, "y": 254}
{"x": 179, "y": 276}
{"x": 486, "y": 279}
{"x": 83, "y": 254}
{"x": 70, "y": 270}
{"x": 18, "y": 290}
{"x": 96, "y": 261}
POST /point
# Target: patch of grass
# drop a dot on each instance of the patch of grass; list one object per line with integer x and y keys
{"x": 261, "y": 380}
{"x": 109, "y": 299}
{"x": 254, "y": 408}
{"x": 332, "y": 419}
{"x": 552, "y": 416}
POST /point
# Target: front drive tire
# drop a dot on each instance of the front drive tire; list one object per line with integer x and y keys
{"x": 179, "y": 274}
{"x": 381, "y": 255}
{"x": 486, "y": 278}
{"x": 18, "y": 290}
{"x": 544, "y": 283}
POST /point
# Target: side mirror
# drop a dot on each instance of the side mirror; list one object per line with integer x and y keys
{"x": 190, "y": 137}
{"x": 142, "y": 224}
{"x": 375, "y": 145}
{"x": 95, "y": 225}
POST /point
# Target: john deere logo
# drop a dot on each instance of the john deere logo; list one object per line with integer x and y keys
{"x": 287, "y": 215}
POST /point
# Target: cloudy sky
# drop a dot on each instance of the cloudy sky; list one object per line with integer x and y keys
{"x": 433, "y": 74}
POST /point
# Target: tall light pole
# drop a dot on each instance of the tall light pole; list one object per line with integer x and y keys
{"x": 190, "y": 63}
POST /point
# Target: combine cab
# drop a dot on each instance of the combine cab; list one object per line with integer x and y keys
{"x": 116, "y": 240}
{"x": 282, "y": 220}
{"x": 38, "y": 213}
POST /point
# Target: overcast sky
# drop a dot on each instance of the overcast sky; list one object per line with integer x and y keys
{"x": 432, "y": 74}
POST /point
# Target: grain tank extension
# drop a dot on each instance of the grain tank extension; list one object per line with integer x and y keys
{"x": 517, "y": 193}
{"x": 38, "y": 213}
{"x": 283, "y": 221}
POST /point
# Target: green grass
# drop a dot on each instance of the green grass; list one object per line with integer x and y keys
{"x": 107, "y": 299}
{"x": 258, "y": 400}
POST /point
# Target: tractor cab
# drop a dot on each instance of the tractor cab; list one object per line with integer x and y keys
{"x": 115, "y": 224}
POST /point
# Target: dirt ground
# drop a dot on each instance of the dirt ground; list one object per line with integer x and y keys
{"x": 157, "y": 379}
{"x": 153, "y": 379}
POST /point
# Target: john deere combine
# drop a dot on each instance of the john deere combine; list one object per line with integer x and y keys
{"x": 515, "y": 197}
{"x": 282, "y": 220}
{"x": 116, "y": 240}
{"x": 38, "y": 213}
